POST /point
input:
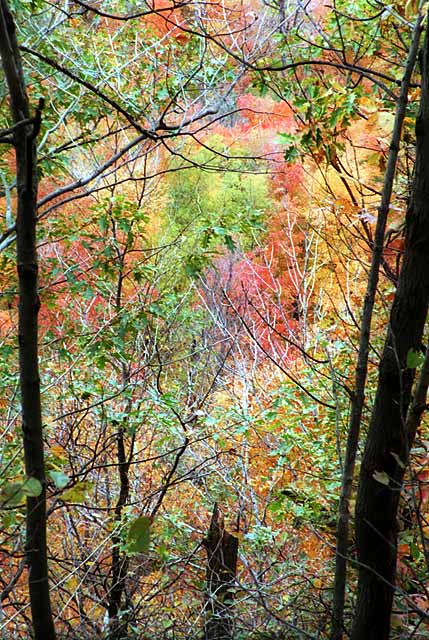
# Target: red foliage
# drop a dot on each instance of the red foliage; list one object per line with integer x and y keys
{"x": 263, "y": 288}
{"x": 164, "y": 22}
{"x": 261, "y": 121}
{"x": 266, "y": 114}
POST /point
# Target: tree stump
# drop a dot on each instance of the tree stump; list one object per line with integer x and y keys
{"x": 222, "y": 552}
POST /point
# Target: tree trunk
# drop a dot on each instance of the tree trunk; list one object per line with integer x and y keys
{"x": 118, "y": 620}
{"x": 24, "y": 140}
{"x": 388, "y": 441}
{"x": 342, "y": 536}
{"x": 117, "y": 626}
{"x": 222, "y": 551}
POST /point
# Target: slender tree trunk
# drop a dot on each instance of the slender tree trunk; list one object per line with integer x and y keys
{"x": 118, "y": 621}
{"x": 222, "y": 551}
{"x": 24, "y": 136}
{"x": 282, "y": 13}
{"x": 342, "y": 536}
{"x": 118, "y": 627}
{"x": 388, "y": 441}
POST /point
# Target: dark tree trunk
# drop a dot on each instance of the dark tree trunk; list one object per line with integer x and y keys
{"x": 389, "y": 441}
{"x": 24, "y": 141}
{"x": 222, "y": 552}
{"x": 118, "y": 620}
{"x": 117, "y": 625}
{"x": 342, "y": 536}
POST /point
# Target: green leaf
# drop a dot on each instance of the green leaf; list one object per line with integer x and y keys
{"x": 285, "y": 138}
{"x": 11, "y": 494}
{"x": 139, "y": 535}
{"x": 414, "y": 359}
{"x": 59, "y": 478}
{"x": 32, "y": 487}
{"x": 167, "y": 624}
{"x": 381, "y": 477}
{"x": 291, "y": 154}
{"x": 415, "y": 551}
{"x": 229, "y": 242}
{"x": 78, "y": 493}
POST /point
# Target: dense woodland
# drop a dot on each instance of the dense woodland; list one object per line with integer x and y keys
{"x": 214, "y": 288}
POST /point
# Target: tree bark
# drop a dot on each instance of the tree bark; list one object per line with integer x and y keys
{"x": 24, "y": 142}
{"x": 118, "y": 620}
{"x": 388, "y": 441}
{"x": 342, "y": 535}
{"x": 222, "y": 552}
{"x": 117, "y": 626}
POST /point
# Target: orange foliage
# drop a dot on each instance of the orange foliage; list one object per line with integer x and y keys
{"x": 167, "y": 21}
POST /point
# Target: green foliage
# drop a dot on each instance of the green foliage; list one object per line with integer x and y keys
{"x": 213, "y": 211}
{"x": 139, "y": 535}
{"x": 13, "y": 493}
{"x": 325, "y": 114}
{"x": 78, "y": 493}
{"x": 414, "y": 359}
{"x": 60, "y": 478}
